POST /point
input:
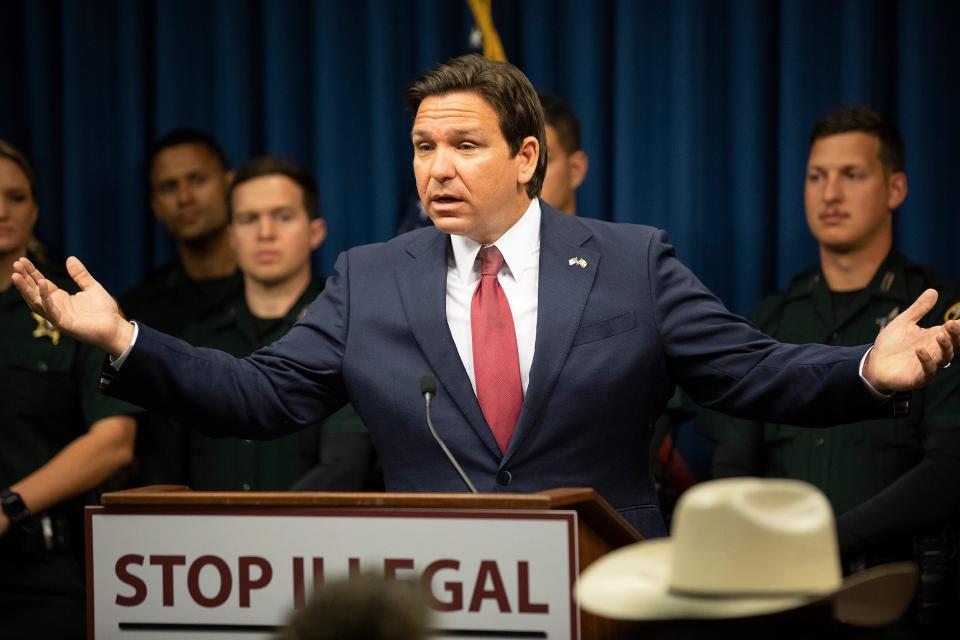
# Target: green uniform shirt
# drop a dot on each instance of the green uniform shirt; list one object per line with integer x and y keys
{"x": 222, "y": 464}
{"x": 853, "y": 462}
{"x": 50, "y": 388}
{"x": 50, "y": 398}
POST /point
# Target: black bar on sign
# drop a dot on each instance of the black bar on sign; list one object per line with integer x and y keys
{"x": 211, "y": 628}
{"x": 262, "y": 628}
{"x": 487, "y": 633}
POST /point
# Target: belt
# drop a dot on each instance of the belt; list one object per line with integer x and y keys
{"x": 40, "y": 533}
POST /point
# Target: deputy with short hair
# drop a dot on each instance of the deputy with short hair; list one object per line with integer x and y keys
{"x": 188, "y": 176}
{"x": 275, "y": 225}
{"x": 890, "y": 480}
{"x": 567, "y": 162}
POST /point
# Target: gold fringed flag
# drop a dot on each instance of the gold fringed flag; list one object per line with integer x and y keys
{"x": 483, "y": 17}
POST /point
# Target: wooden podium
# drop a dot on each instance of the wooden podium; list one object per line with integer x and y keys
{"x": 197, "y": 577}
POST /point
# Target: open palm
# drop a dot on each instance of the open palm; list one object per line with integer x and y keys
{"x": 906, "y": 356}
{"x": 90, "y": 315}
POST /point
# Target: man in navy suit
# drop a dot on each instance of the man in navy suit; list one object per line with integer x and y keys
{"x": 555, "y": 352}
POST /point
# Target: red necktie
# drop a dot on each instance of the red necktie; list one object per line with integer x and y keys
{"x": 496, "y": 363}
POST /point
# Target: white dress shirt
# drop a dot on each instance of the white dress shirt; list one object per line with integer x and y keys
{"x": 519, "y": 278}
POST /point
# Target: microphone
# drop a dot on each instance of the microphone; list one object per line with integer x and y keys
{"x": 428, "y": 389}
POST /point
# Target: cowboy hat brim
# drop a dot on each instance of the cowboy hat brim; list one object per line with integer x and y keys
{"x": 632, "y": 583}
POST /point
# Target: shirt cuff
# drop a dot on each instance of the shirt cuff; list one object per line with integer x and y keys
{"x": 119, "y": 360}
{"x": 876, "y": 394}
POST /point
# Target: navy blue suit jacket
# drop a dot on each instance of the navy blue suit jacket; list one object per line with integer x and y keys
{"x": 613, "y": 337}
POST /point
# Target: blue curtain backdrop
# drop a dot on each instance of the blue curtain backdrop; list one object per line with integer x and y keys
{"x": 695, "y": 113}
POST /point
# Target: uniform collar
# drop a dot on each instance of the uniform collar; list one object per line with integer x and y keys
{"x": 11, "y": 297}
{"x": 519, "y": 245}
{"x": 239, "y": 313}
{"x": 889, "y": 281}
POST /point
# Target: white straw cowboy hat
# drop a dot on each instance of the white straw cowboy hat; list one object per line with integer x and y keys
{"x": 744, "y": 547}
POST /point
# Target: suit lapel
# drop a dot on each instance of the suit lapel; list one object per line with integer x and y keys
{"x": 562, "y": 298}
{"x": 422, "y": 283}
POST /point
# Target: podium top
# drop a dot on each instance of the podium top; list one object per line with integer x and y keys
{"x": 586, "y": 502}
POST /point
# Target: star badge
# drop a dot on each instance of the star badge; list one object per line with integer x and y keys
{"x": 953, "y": 313}
{"x": 45, "y": 330}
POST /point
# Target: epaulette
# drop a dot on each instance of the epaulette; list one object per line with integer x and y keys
{"x": 924, "y": 276}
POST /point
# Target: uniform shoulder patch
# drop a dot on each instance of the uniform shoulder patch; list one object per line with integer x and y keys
{"x": 953, "y": 313}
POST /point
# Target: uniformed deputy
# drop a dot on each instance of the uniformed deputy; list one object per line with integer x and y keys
{"x": 894, "y": 482}
{"x": 274, "y": 227}
{"x": 188, "y": 176}
{"x": 59, "y": 439}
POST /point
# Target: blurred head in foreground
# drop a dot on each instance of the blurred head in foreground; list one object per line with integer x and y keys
{"x": 365, "y": 607}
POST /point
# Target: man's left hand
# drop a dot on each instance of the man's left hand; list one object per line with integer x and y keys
{"x": 905, "y": 356}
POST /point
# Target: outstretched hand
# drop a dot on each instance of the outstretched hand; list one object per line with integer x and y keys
{"x": 906, "y": 356}
{"x": 90, "y": 315}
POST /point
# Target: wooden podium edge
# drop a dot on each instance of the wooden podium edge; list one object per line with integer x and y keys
{"x": 597, "y": 512}
{"x": 180, "y": 496}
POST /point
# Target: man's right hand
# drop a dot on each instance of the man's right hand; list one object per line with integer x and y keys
{"x": 90, "y": 316}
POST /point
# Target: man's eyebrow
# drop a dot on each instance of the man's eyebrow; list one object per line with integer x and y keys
{"x": 470, "y": 131}
{"x": 843, "y": 167}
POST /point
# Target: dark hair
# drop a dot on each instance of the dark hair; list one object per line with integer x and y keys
{"x": 364, "y": 607}
{"x": 273, "y": 165}
{"x": 869, "y": 121}
{"x": 505, "y": 88}
{"x": 16, "y": 156}
{"x": 186, "y": 136}
{"x": 560, "y": 116}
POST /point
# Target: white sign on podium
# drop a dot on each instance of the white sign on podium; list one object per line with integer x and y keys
{"x": 237, "y": 573}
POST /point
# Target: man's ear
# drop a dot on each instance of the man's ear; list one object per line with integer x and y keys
{"x": 527, "y": 157}
{"x": 579, "y": 163}
{"x": 228, "y": 177}
{"x": 896, "y": 189}
{"x": 318, "y": 232}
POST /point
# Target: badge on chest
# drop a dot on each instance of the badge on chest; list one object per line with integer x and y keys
{"x": 45, "y": 330}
